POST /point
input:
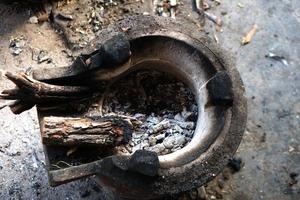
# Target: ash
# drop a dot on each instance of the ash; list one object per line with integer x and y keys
{"x": 165, "y": 107}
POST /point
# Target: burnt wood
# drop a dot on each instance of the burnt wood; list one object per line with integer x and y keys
{"x": 100, "y": 131}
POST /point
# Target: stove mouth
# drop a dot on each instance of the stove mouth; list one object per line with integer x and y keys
{"x": 191, "y": 66}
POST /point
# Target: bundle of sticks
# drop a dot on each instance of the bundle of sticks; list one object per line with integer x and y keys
{"x": 57, "y": 87}
{"x": 30, "y": 92}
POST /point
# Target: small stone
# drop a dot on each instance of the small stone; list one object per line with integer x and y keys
{"x": 235, "y": 164}
{"x": 96, "y": 28}
{"x": 43, "y": 57}
{"x": 16, "y": 45}
{"x": 33, "y": 20}
{"x": 173, "y": 3}
{"x": 220, "y": 89}
{"x": 223, "y": 12}
{"x": 144, "y": 162}
{"x": 116, "y": 50}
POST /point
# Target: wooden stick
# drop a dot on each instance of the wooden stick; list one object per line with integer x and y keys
{"x": 100, "y": 131}
{"x": 29, "y": 92}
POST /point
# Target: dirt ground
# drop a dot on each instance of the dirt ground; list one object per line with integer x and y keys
{"x": 270, "y": 148}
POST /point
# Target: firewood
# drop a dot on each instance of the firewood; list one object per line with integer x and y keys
{"x": 29, "y": 92}
{"x": 100, "y": 131}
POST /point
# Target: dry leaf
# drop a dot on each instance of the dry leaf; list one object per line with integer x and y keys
{"x": 247, "y": 39}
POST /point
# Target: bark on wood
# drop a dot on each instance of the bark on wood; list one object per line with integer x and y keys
{"x": 29, "y": 92}
{"x": 101, "y": 131}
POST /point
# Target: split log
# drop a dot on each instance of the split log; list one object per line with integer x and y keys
{"x": 100, "y": 131}
{"x": 29, "y": 92}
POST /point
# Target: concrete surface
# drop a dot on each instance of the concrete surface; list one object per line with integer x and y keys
{"x": 270, "y": 148}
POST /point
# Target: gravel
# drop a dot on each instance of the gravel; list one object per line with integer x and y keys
{"x": 16, "y": 45}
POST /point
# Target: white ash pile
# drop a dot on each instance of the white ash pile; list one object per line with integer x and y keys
{"x": 164, "y": 134}
{"x": 165, "y": 107}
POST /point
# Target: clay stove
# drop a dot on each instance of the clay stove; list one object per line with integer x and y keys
{"x": 172, "y": 47}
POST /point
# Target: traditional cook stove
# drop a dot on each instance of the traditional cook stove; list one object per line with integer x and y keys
{"x": 173, "y": 47}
